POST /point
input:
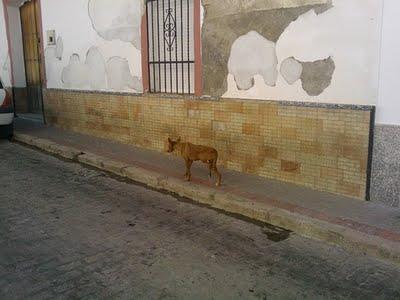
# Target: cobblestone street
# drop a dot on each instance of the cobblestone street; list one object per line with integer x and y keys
{"x": 67, "y": 231}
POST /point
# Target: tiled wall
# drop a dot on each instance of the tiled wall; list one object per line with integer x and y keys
{"x": 322, "y": 148}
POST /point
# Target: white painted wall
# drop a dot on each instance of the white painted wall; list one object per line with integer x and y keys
{"x": 388, "y": 108}
{"x": 17, "y": 50}
{"x": 349, "y": 32}
{"x": 71, "y": 22}
{"x": 5, "y": 66}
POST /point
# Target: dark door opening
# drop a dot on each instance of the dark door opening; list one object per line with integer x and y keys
{"x": 32, "y": 55}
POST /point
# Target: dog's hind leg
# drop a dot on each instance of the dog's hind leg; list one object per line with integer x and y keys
{"x": 188, "y": 174}
{"x": 218, "y": 174}
{"x": 210, "y": 167}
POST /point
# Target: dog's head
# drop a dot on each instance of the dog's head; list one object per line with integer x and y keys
{"x": 172, "y": 144}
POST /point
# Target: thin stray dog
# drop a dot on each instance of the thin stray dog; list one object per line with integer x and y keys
{"x": 191, "y": 153}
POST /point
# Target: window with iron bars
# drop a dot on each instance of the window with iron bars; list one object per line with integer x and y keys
{"x": 171, "y": 55}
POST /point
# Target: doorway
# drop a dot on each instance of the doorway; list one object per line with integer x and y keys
{"x": 30, "y": 28}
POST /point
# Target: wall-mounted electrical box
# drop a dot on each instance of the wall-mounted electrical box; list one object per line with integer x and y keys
{"x": 51, "y": 37}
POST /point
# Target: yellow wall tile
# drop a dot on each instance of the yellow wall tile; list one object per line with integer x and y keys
{"x": 322, "y": 148}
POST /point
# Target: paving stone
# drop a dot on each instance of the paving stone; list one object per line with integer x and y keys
{"x": 174, "y": 250}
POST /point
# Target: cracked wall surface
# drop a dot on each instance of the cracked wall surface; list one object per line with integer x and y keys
{"x": 305, "y": 30}
{"x": 342, "y": 30}
{"x": 121, "y": 20}
{"x": 219, "y": 34}
{"x": 95, "y": 41}
{"x": 95, "y": 74}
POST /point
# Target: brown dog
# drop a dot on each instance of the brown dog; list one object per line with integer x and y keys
{"x": 191, "y": 152}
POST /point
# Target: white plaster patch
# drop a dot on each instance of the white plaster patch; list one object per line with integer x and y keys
{"x": 252, "y": 54}
{"x": 291, "y": 70}
{"x": 349, "y": 34}
{"x": 53, "y": 66}
{"x": 59, "y": 48}
{"x": 78, "y": 36}
{"x": 119, "y": 75}
{"x": 88, "y": 75}
{"x": 76, "y": 74}
{"x": 122, "y": 49}
{"x": 97, "y": 68}
{"x": 121, "y": 20}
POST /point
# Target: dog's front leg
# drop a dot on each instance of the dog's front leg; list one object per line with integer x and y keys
{"x": 188, "y": 174}
{"x": 210, "y": 167}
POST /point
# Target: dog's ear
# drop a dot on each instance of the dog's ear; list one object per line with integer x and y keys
{"x": 169, "y": 140}
{"x": 178, "y": 140}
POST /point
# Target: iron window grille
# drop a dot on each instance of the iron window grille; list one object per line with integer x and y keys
{"x": 170, "y": 37}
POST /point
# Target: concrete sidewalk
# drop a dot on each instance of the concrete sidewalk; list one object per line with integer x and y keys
{"x": 359, "y": 226}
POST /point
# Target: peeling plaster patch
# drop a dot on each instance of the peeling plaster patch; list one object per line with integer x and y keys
{"x": 349, "y": 33}
{"x": 76, "y": 74}
{"x": 219, "y": 33}
{"x": 53, "y": 67}
{"x": 317, "y": 75}
{"x": 291, "y": 70}
{"x": 119, "y": 76}
{"x": 121, "y": 20}
{"x": 97, "y": 68}
{"x": 321, "y": 9}
{"x": 122, "y": 49}
{"x": 252, "y": 54}
{"x": 230, "y": 7}
{"x": 90, "y": 74}
{"x": 202, "y": 13}
{"x": 59, "y": 48}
